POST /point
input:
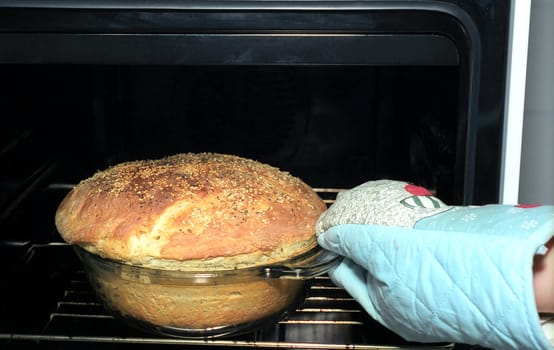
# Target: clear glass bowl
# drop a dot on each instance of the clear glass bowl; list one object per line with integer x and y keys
{"x": 204, "y": 304}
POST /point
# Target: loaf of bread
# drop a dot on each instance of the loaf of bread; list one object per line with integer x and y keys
{"x": 195, "y": 211}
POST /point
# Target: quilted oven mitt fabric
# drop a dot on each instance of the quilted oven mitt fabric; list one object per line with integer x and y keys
{"x": 432, "y": 272}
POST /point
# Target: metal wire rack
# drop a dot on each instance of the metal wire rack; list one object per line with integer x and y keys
{"x": 68, "y": 313}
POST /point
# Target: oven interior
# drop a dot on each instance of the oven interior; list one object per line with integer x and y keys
{"x": 330, "y": 125}
{"x": 334, "y": 127}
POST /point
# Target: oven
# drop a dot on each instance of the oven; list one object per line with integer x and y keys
{"x": 334, "y": 92}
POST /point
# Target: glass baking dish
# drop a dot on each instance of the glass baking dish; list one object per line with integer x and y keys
{"x": 207, "y": 303}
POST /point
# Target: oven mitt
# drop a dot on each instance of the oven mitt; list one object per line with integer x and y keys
{"x": 435, "y": 273}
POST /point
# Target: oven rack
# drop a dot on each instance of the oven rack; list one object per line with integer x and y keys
{"x": 327, "y": 319}
{"x": 50, "y": 303}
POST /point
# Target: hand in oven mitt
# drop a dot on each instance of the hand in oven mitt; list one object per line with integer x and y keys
{"x": 435, "y": 273}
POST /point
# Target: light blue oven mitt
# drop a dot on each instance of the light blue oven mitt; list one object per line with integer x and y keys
{"x": 435, "y": 273}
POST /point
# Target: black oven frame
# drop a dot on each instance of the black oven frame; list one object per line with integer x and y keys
{"x": 471, "y": 35}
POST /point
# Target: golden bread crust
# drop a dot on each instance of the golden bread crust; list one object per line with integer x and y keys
{"x": 201, "y": 208}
